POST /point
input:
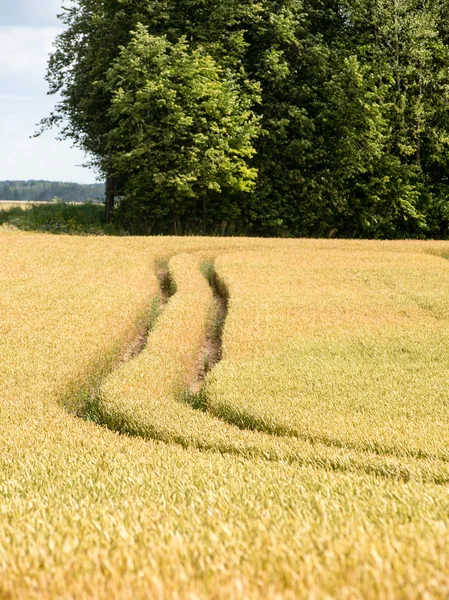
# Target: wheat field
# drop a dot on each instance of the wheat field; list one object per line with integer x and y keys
{"x": 7, "y": 204}
{"x": 312, "y": 463}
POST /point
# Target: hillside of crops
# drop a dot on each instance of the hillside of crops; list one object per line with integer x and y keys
{"x": 223, "y": 418}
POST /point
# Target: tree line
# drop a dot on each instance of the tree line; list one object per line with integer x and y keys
{"x": 269, "y": 117}
{"x": 43, "y": 191}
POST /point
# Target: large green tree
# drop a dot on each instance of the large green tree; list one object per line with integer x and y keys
{"x": 181, "y": 135}
{"x": 401, "y": 43}
{"x": 353, "y": 96}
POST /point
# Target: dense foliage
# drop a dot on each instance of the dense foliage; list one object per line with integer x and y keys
{"x": 284, "y": 117}
{"x": 43, "y": 191}
{"x": 181, "y": 132}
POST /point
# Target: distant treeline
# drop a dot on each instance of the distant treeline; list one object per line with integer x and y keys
{"x": 42, "y": 191}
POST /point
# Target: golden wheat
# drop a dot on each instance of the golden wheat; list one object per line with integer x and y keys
{"x": 88, "y": 513}
{"x": 348, "y": 348}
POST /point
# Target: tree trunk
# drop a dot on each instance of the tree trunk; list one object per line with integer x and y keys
{"x": 418, "y": 126}
{"x": 109, "y": 198}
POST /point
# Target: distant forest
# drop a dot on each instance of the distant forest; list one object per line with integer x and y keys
{"x": 42, "y": 191}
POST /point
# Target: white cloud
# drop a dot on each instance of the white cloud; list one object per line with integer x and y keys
{"x": 30, "y": 12}
{"x": 25, "y": 49}
{"x": 22, "y": 157}
{"x": 23, "y": 103}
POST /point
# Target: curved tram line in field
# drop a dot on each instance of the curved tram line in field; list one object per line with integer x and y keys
{"x": 157, "y": 391}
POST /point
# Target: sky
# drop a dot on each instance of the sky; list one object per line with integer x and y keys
{"x": 27, "y": 30}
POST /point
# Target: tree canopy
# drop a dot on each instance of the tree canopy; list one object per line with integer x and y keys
{"x": 181, "y": 132}
{"x": 272, "y": 117}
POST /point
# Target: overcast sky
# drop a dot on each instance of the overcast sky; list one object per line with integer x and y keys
{"x": 27, "y": 29}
